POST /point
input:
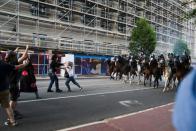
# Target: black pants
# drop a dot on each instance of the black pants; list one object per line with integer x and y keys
{"x": 54, "y": 78}
{"x": 72, "y": 79}
{"x": 14, "y": 91}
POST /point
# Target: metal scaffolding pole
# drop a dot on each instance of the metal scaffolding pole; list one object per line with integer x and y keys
{"x": 57, "y": 20}
{"x": 21, "y": 14}
{"x": 14, "y": 17}
{"x": 18, "y": 22}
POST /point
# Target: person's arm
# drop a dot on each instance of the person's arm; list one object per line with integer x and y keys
{"x": 59, "y": 65}
{"x": 16, "y": 50}
{"x": 67, "y": 68}
{"x": 63, "y": 67}
{"x": 21, "y": 65}
{"x": 24, "y": 56}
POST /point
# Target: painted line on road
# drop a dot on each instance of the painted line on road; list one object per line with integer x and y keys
{"x": 89, "y": 85}
{"x": 76, "y": 96}
{"x": 114, "y": 118}
{"x": 84, "y": 125}
{"x": 150, "y": 109}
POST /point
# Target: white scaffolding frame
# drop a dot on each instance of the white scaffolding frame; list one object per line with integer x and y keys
{"x": 175, "y": 21}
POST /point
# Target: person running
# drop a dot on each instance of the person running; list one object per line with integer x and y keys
{"x": 11, "y": 58}
{"x": 54, "y": 65}
{"x": 5, "y": 70}
{"x": 69, "y": 74}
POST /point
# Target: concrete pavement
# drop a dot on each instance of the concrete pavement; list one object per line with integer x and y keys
{"x": 153, "y": 119}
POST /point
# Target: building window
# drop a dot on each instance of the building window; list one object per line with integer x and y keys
{"x": 64, "y": 15}
{"x": 39, "y": 10}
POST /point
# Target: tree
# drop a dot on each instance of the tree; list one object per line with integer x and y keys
{"x": 143, "y": 38}
{"x": 180, "y": 47}
{"x": 192, "y": 13}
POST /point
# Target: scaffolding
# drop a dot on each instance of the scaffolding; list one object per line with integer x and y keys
{"x": 90, "y": 26}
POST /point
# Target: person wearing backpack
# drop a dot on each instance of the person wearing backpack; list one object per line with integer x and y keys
{"x": 54, "y": 65}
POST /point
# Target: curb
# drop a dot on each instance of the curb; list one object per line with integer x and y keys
{"x": 79, "y": 78}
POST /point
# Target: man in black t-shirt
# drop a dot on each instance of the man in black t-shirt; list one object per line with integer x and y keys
{"x": 5, "y": 70}
{"x": 11, "y": 58}
{"x": 54, "y": 65}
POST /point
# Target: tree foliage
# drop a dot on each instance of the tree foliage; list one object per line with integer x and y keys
{"x": 180, "y": 47}
{"x": 143, "y": 38}
{"x": 192, "y": 13}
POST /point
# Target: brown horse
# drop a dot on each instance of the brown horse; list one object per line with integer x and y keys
{"x": 120, "y": 66}
{"x": 111, "y": 68}
{"x": 146, "y": 71}
{"x": 155, "y": 71}
{"x": 175, "y": 72}
{"x": 182, "y": 68}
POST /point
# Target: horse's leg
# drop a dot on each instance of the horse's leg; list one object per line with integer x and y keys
{"x": 158, "y": 76}
{"x": 138, "y": 74}
{"x": 166, "y": 84}
{"x": 154, "y": 82}
{"x": 130, "y": 79}
{"x": 178, "y": 83}
{"x": 150, "y": 80}
{"x": 179, "y": 80}
{"x": 116, "y": 75}
{"x": 144, "y": 80}
{"x": 112, "y": 75}
{"x": 119, "y": 75}
{"x": 170, "y": 80}
{"x": 174, "y": 83}
{"x": 139, "y": 79}
{"x": 125, "y": 78}
{"x": 169, "y": 84}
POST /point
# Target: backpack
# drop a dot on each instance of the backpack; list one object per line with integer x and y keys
{"x": 66, "y": 75}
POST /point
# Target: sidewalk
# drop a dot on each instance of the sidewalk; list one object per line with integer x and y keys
{"x": 78, "y": 77}
{"x": 154, "y": 119}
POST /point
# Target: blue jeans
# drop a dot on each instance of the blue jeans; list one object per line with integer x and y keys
{"x": 54, "y": 78}
{"x": 72, "y": 79}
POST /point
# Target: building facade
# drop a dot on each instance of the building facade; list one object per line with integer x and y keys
{"x": 99, "y": 27}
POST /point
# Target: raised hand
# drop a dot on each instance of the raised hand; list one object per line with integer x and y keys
{"x": 27, "y": 46}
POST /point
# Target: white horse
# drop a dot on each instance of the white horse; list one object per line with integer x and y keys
{"x": 169, "y": 82}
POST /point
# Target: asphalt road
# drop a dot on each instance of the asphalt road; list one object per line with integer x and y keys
{"x": 101, "y": 99}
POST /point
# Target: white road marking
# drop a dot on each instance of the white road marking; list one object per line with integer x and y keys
{"x": 80, "y": 126}
{"x": 150, "y": 109}
{"x": 125, "y": 103}
{"x": 114, "y": 118}
{"x": 128, "y": 103}
{"x": 76, "y": 96}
